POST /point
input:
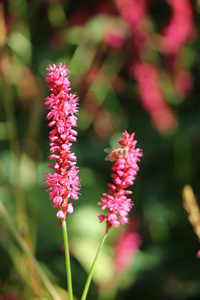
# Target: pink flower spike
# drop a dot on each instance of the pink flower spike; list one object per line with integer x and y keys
{"x": 63, "y": 107}
{"x": 124, "y": 170}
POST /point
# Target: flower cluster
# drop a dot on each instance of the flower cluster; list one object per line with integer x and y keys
{"x": 125, "y": 169}
{"x": 62, "y": 106}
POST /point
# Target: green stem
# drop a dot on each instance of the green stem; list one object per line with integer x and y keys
{"x": 67, "y": 260}
{"x": 87, "y": 285}
{"x": 28, "y": 252}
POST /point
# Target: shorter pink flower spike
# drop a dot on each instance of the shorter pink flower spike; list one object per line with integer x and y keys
{"x": 62, "y": 106}
{"x": 124, "y": 171}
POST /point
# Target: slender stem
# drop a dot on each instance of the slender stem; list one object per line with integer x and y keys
{"x": 28, "y": 252}
{"x": 67, "y": 260}
{"x": 87, "y": 285}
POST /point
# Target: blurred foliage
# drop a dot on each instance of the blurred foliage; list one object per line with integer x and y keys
{"x": 134, "y": 65}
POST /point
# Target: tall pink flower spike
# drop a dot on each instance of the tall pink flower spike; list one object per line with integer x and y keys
{"x": 125, "y": 169}
{"x": 63, "y": 106}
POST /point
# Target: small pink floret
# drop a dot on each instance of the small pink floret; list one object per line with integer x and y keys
{"x": 60, "y": 214}
{"x": 101, "y": 218}
{"x": 70, "y": 208}
{"x": 57, "y": 200}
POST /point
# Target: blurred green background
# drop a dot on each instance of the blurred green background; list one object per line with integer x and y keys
{"x": 135, "y": 66}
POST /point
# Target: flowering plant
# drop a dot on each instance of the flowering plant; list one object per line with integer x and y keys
{"x": 65, "y": 184}
{"x": 125, "y": 170}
